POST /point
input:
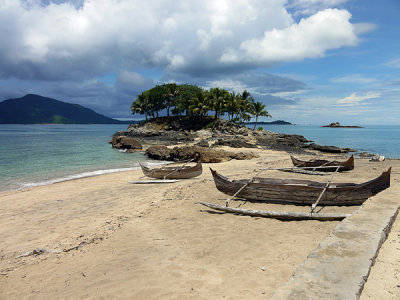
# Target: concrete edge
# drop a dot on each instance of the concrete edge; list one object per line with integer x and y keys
{"x": 340, "y": 266}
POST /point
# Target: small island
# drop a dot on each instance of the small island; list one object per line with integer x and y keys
{"x": 278, "y": 122}
{"x": 337, "y": 125}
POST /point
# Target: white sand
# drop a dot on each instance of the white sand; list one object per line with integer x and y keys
{"x": 153, "y": 241}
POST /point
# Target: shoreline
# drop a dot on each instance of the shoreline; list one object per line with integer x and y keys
{"x": 81, "y": 175}
{"x": 100, "y": 172}
{"x": 154, "y": 242}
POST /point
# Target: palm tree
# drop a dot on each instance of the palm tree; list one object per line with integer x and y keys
{"x": 258, "y": 109}
{"x": 141, "y": 105}
{"x": 245, "y": 106}
{"x": 217, "y": 99}
{"x": 232, "y": 105}
{"x": 171, "y": 92}
{"x": 186, "y": 93}
{"x": 200, "y": 103}
{"x": 156, "y": 97}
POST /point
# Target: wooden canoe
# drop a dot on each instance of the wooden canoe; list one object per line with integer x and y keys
{"x": 182, "y": 172}
{"x": 325, "y": 165}
{"x": 302, "y": 191}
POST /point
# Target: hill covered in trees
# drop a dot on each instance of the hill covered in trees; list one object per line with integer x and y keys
{"x": 35, "y": 109}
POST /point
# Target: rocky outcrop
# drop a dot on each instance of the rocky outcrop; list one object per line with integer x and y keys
{"x": 187, "y": 152}
{"x": 234, "y": 142}
{"x": 330, "y": 149}
{"x": 126, "y": 143}
{"x": 282, "y": 142}
{"x": 207, "y": 133}
{"x": 337, "y": 125}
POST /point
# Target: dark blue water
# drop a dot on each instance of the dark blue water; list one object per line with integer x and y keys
{"x": 41, "y": 154}
{"x": 383, "y": 140}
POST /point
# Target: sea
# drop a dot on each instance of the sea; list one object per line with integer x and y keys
{"x": 374, "y": 139}
{"x": 34, "y": 155}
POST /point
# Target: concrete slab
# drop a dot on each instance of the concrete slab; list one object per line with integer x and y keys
{"x": 339, "y": 267}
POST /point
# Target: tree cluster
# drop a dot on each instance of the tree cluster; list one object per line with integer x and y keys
{"x": 187, "y": 99}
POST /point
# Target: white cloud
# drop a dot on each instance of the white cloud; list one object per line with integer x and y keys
{"x": 132, "y": 78}
{"x": 354, "y": 78}
{"x": 74, "y": 39}
{"x": 394, "y": 63}
{"x": 308, "y": 7}
{"x": 67, "y": 49}
{"x": 310, "y": 38}
{"x": 354, "y": 99}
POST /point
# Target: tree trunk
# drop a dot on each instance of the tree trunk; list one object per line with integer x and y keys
{"x": 255, "y": 124}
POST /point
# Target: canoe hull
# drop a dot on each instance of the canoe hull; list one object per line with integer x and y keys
{"x": 302, "y": 191}
{"x": 173, "y": 172}
{"x": 346, "y": 165}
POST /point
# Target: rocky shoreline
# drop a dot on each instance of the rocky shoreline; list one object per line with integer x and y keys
{"x": 206, "y": 138}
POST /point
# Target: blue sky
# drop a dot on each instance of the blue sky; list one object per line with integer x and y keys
{"x": 309, "y": 61}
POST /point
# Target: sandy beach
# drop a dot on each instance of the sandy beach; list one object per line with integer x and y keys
{"x": 106, "y": 238}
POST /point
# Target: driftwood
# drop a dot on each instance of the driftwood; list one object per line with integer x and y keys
{"x": 278, "y": 215}
{"x": 39, "y": 251}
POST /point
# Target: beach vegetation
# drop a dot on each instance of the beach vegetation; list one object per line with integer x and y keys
{"x": 258, "y": 109}
{"x": 190, "y": 100}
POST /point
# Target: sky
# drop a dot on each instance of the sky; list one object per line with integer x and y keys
{"x": 309, "y": 61}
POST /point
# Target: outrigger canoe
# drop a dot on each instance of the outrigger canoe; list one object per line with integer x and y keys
{"x": 324, "y": 165}
{"x": 301, "y": 191}
{"x": 180, "y": 172}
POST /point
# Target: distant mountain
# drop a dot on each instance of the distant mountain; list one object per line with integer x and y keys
{"x": 35, "y": 109}
{"x": 279, "y": 122}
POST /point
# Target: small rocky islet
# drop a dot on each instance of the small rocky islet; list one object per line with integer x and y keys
{"x": 206, "y": 135}
{"x": 338, "y": 125}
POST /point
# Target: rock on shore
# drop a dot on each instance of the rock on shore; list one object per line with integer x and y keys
{"x": 206, "y": 133}
{"x": 207, "y": 155}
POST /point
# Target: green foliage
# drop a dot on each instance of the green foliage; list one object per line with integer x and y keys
{"x": 217, "y": 99}
{"x": 192, "y": 100}
{"x": 183, "y": 101}
{"x": 210, "y": 125}
{"x": 260, "y": 129}
{"x": 258, "y": 109}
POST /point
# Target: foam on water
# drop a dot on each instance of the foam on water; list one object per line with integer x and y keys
{"x": 85, "y": 175}
{"x": 76, "y": 176}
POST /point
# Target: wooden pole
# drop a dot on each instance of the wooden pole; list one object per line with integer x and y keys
{"x": 294, "y": 168}
{"x": 278, "y": 215}
{"x": 246, "y": 184}
{"x": 313, "y": 206}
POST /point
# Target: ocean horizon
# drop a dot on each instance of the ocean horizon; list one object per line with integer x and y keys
{"x": 34, "y": 155}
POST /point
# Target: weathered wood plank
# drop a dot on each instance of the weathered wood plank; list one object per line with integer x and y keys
{"x": 278, "y": 215}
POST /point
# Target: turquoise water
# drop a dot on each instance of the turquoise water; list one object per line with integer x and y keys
{"x": 33, "y": 155}
{"x": 383, "y": 140}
